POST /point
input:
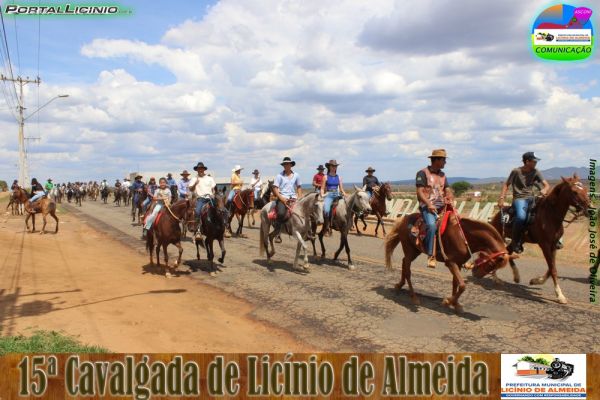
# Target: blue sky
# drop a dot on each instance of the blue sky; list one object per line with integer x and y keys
{"x": 251, "y": 81}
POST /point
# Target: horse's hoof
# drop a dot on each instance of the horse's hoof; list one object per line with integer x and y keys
{"x": 167, "y": 274}
{"x": 446, "y": 302}
{"x": 562, "y": 300}
{"x": 458, "y": 308}
{"x": 351, "y": 267}
{"x": 415, "y": 300}
{"x": 243, "y": 235}
{"x": 517, "y": 280}
{"x": 221, "y": 260}
{"x": 398, "y": 286}
{"x": 535, "y": 281}
{"x": 253, "y": 223}
{"x": 212, "y": 273}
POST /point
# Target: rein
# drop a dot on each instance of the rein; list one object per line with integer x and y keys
{"x": 484, "y": 260}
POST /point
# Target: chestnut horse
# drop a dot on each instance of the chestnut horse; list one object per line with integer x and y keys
{"x": 16, "y": 207}
{"x": 44, "y": 206}
{"x": 481, "y": 237}
{"x": 243, "y": 202}
{"x": 166, "y": 230}
{"x": 547, "y": 226}
{"x": 214, "y": 223}
{"x": 378, "y": 208}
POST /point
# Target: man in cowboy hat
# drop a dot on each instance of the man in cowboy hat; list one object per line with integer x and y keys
{"x": 256, "y": 183}
{"x": 286, "y": 188}
{"x": 203, "y": 186}
{"x": 523, "y": 179}
{"x": 433, "y": 194}
{"x": 126, "y": 184}
{"x": 182, "y": 185}
{"x": 49, "y": 185}
{"x": 370, "y": 181}
{"x": 137, "y": 187}
{"x": 172, "y": 184}
{"x": 236, "y": 184}
{"x": 318, "y": 178}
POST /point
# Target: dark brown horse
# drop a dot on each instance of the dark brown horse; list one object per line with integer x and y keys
{"x": 547, "y": 226}
{"x": 166, "y": 230}
{"x": 243, "y": 201}
{"x": 378, "y": 208}
{"x": 481, "y": 236}
{"x": 136, "y": 205}
{"x": 16, "y": 207}
{"x": 214, "y": 224}
{"x": 44, "y": 206}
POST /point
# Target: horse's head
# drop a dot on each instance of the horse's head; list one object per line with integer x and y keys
{"x": 361, "y": 202}
{"x": 487, "y": 263}
{"x": 317, "y": 209}
{"x": 219, "y": 207}
{"x": 386, "y": 190}
{"x": 578, "y": 194}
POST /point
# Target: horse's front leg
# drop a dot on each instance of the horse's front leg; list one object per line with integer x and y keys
{"x": 458, "y": 287}
{"x": 223, "y": 251}
{"x": 180, "y": 249}
{"x": 302, "y": 244}
{"x": 44, "y": 225}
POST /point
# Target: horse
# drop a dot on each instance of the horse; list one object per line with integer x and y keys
{"x": 166, "y": 230}
{"x": 126, "y": 195}
{"x": 16, "y": 206}
{"x": 44, "y": 206}
{"x": 308, "y": 208}
{"x": 357, "y": 202}
{"x": 118, "y": 194}
{"x": 242, "y": 202}
{"x": 137, "y": 205}
{"x": 60, "y": 195}
{"x": 214, "y": 224}
{"x": 265, "y": 197}
{"x": 78, "y": 193}
{"x": 70, "y": 193}
{"x": 547, "y": 226}
{"x": 453, "y": 251}
{"x": 378, "y": 206}
{"x": 104, "y": 194}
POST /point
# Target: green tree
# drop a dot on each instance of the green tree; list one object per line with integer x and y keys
{"x": 460, "y": 187}
{"x": 3, "y": 186}
{"x": 527, "y": 358}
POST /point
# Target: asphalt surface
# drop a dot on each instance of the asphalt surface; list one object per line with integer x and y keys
{"x": 335, "y": 309}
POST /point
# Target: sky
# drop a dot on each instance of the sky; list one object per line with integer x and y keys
{"x": 379, "y": 83}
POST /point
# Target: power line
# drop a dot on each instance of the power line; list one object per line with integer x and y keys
{"x": 17, "y": 42}
{"x": 10, "y": 71}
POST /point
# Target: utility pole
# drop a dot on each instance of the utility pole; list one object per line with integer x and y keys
{"x": 23, "y": 173}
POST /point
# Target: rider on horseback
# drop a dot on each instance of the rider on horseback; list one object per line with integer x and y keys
{"x": 236, "y": 184}
{"x": 49, "y": 185}
{"x": 204, "y": 187}
{"x": 522, "y": 180}
{"x": 331, "y": 189}
{"x": 371, "y": 182}
{"x": 286, "y": 188}
{"x": 150, "y": 189}
{"x": 318, "y": 178}
{"x": 137, "y": 187}
{"x": 38, "y": 191}
{"x": 433, "y": 193}
{"x": 162, "y": 197}
{"x": 256, "y": 183}
{"x": 15, "y": 185}
{"x": 103, "y": 184}
{"x": 182, "y": 185}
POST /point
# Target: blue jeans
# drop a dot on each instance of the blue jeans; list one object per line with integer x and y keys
{"x": 520, "y": 206}
{"x": 152, "y": 217}
{"x": 38, "y": 195}
{"x": 231, "y": 194}
{"x": 328, "y": 201}
{"x": 257, "y": 193}
{"x": 145, "y": 203}
{"x": 370, "y": 194}
{"x": 431, "y": 228}
{"x": 200, "y": 202}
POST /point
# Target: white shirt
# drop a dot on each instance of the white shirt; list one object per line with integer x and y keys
{"x": 205, "y": 185}
{"x": 256, "y": 183}
{"x": 126, "y": 184}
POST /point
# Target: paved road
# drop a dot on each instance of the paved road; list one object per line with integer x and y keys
{"x": 335, "y": 309}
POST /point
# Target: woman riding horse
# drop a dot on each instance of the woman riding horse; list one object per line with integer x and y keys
{"x": 332, "y": 189}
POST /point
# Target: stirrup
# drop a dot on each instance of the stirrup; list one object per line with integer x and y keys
{"x": 431, "y": 262}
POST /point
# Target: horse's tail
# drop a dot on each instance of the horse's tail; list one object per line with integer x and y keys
{"x": 150, "y": 242}
{"x": 391, "y": 241}
{"x": 264, "y": 235}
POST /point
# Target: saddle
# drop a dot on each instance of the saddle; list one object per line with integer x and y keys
{"x": 239, "y": 202}
{"x": 508, "y": 214}
{"x": 418, "y": 228}
{"x": 272, "y": 215}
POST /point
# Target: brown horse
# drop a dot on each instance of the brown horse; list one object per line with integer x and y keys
{"x": 44, "y": 206}
{"x": 243, "y": 202}
{"x": 166, "y": 230}
{"x": 136, "y": 205}
{"x": 547, "y": 226}
{"x": 214, "y": 223}
{"x": 481, "y": 237}
{"x": 378, "y": 208}
{"x": 16, "y": 207}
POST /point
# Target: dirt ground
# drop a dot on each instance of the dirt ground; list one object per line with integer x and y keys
{"x": 83, "y": 283}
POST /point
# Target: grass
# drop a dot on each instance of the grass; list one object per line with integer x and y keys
{"x": 45, "y": 342}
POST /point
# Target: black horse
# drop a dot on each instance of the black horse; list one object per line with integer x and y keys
{"x": 214, "y": 222}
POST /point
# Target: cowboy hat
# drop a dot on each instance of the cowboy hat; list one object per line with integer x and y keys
{"x": 332, "y": 163}
{"x": 237, "y": 168}
{"x": 441, "y": 153}
{"x": 320, "y": 167}
{"x": 370, "y": 169}
{"x": 255, "y": 172}
{"x": 185, "y": 173}
{"x": 138, "y": 177}
{"x": 288, "y": 160}
{"x": 200, "y": 165}
{"x": 49, "y": 179}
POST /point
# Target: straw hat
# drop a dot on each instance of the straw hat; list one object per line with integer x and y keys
{"x": 438, "y": 153}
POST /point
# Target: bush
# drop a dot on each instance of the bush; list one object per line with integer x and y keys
{"x": 460, "y": 187}
{"x": 3, "y": 186}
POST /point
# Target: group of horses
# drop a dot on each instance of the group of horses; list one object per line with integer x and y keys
{"x": 458, "y": 241}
